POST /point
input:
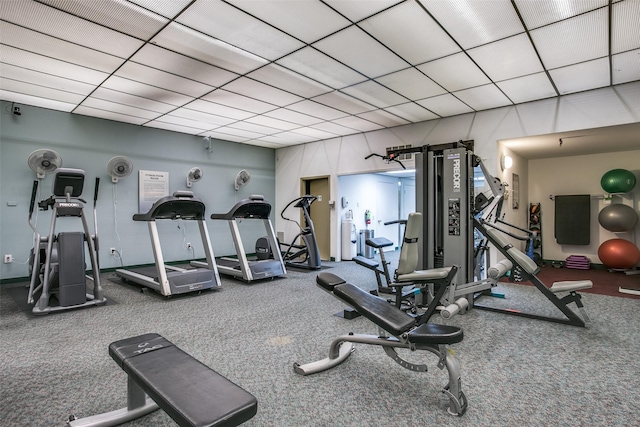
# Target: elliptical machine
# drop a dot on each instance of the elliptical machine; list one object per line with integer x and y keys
{"x": 305, "y": 255}
{"x": 57, "y": 261}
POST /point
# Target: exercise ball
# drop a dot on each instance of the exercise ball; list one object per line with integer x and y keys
{"x": 618, "y": 181}
{"x": 619, "y": 254}
{"x": 618, "y": 217}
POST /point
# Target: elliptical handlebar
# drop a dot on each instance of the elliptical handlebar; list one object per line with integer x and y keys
{"x": 303, "y": 202}
{"x": 34, "y": 193}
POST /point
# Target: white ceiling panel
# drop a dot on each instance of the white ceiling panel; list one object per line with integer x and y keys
{"x": 412, "y": 84}
{"x": 46, "y": 65}
{"x": 626, "y": 28}
{"x": 374, "y": 94}
{"x": 307, "y": 21}
{"x": 626, "y": 67}
{"x": 361, "y": 52}
{"x": 583, "y": 76}
{"x": 263, "y": 69}
{"x": 316, "y": 110}
{"x": 520, "y": 61}
{"x": 175, "y": 63}
{"x": 119, "y": 15}
{"x": 261, "y": 91}
{"x": 583, "y": 38}
{"x": 280, "y": 77}
{"x": 157, "y": 78}
{"x": 357, "y": 10}
{"x": 241, "y": 103}
{"x": 528, "y": 88}
{"x": 454, "y": 72}
{"x": 483, "y": 97}
{"x": 219, "y": 109}
{"x": 412, "y": 112}
{"x": 445, "y": 105}
{"x": 239, "y": 29}
{"x": 320, "y": 67}
{"x": 109, "y": 115}
{"x": 473, "y": 23}
{"x": 402, "y": 26}
{"x": 344, "y": 102}
{"x": 199, "y": 46}
{"x": 62, "y": 25}
{"x": 34, "y": 42}
{"x": 538, "y": 13}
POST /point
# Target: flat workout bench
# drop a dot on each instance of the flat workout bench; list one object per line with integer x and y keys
{"x": 191, "y": 393}
{"x": 407, "y": 333}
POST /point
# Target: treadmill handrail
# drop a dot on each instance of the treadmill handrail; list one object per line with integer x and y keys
{"x": 255, "y": 207}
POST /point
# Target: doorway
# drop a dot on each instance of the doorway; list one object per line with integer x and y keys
{"x": 320, "y": 212}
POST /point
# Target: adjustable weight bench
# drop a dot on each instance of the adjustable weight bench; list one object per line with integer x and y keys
{"x": 405, "y": 330}
{"x": 160, "y": 375}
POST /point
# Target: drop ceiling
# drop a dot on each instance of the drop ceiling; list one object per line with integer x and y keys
{"x": 275, "y": 73}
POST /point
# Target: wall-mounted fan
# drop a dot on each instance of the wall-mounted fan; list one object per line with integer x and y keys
{"x": 44, "y": 162}
{"x": 242, "y": 178}
{"x": 119, "y": 167}
{"x": 194, "y": 175}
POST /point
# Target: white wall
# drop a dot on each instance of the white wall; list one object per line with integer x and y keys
{"x": 346, "y": 155}
{"x": 581, "y": 175}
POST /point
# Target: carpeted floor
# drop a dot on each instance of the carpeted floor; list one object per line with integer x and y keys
{"x": 515, "y": 371}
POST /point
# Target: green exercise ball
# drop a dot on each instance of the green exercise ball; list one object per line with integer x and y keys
{"x": 618, "y": 181}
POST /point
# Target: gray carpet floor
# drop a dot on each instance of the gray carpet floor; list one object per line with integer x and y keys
{"x": 515, "y": 371}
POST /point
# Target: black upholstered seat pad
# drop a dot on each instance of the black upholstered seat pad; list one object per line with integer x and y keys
{"x": 188, "y": 391}
{"x": 432, "y": 333}
{"x": 328, "y": 280}
{"x": 379, "y": 311}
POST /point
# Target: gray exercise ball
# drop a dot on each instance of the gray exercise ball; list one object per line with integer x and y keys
{"x": 618, "y": 217}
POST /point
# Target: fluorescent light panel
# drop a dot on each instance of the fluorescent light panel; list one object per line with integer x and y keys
{"x": 508, "y": 58}
{"x": 538, "y": 13}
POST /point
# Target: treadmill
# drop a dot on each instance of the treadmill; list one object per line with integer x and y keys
{"x": 169, "y": 280}
{"x": 255, "y": 207}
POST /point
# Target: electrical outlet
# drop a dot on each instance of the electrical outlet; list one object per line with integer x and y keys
{"x": 112, "y": 251}
{"x": 189, "y": 246}
{"x": 8, "y": 258}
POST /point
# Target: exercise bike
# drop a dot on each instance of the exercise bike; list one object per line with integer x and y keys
{"x": 305, "y": 255}
{"x": 57, "y": 261}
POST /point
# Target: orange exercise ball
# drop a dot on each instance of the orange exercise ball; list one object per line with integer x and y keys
{"x": 619, "y": 254}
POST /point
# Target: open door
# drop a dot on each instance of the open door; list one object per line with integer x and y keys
{"x": 320, "y": 212}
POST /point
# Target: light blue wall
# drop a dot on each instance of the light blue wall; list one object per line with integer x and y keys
{"x": 89, "y": 143}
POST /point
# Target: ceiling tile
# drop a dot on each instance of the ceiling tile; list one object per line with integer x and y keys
{"x": 357, "y": 123}
{"x": 181, "y": 39}
{"x": 272, "y": 122}
{"x": 412, "y": 112}
{"x": 240, "y": 102}
{"x": 626, "y": 67}
{"x": 445, "y": 105}
{"x": 23, "y": 75}
{"x": 333, "y": 128}
{"x": 210, "y": 120}
{"x": 400, "y": 27}
{"x": 157, "y": 78}
{"x": 109, "y": 115}
{"x": 357, "y": 10}
{"x": 507, "y": 58}
{"x": 288, "y": 138}
{"x": 35, "y": 42}
{"x": 173, "y": 127}
{"x": 171, "y": 62}
{"x": 374, "y": 94}
{"x": 528, "y": 88}
{"x": 46, "y": 20}
{"x": 307, "y": 21}
{"x": 538, "y": 13}
{"x": 112, "y": 107}
{"x": 40, "y": 91}
{"x": 483, "y": 97}
{"x": 195, "y": 122}
{"x": 131, "y": 100}
{"x": 223, "y": 136}
{"x": 168, "y": 9}
{"x": 280, "y": 77}
{"x": 343, "y": 102}
{"x": 145, "y": 91}
{"x": 625, "y": 28}
{"x": 316, "y": 134}
{"x": 473, "y": 23}
{"x": 122, "y": 16}
{"x": 293, "y": 117}
{"x": 261, "y": 91}
{"x": 315, "y": 109}
{"x": 383, "y": 118}
{"x": 255, "y": 128}
{"x": 239, "y": 29}
{"x": 219, "y": 109}
{"x": 454, "y": 72}
{"x": 411, "y": 83}
{"x": 583, "y": 76}
{"x": 242, "y": 133}
{"x": 43, "y": 64}
{"x": 318, "y": 66}
{"x": 359, "y": 51}
{"x": 583, "y": 38}
{"x": 36, "y": 101}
